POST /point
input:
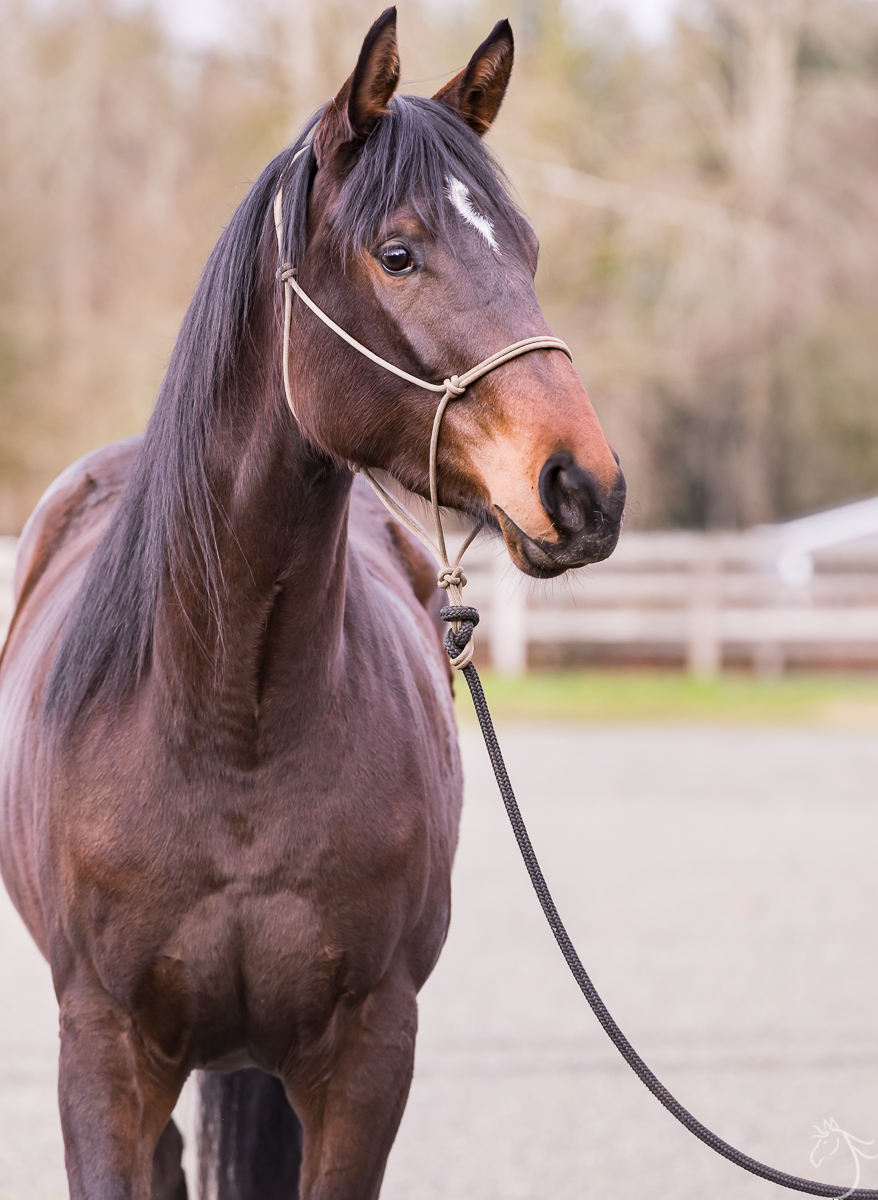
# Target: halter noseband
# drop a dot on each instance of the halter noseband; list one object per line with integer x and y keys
{"x": 451, "y": 576}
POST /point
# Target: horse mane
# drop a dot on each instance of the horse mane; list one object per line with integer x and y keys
{"x": 165, "y": 526}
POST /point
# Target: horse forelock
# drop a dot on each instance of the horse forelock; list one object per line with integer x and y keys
{"x": 409, "y": 158}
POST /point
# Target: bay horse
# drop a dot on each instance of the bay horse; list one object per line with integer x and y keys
{"x": 229, "y": 776}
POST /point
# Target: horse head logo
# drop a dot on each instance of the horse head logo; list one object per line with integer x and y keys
{"x": 828, "y": 1140}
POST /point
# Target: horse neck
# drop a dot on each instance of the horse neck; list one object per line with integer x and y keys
{"x": 272, "y": 624}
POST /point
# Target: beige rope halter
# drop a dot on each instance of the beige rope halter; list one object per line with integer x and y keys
{"x": 451, "y": 576}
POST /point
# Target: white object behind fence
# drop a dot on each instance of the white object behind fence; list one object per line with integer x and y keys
{"x": 804, "y": 590}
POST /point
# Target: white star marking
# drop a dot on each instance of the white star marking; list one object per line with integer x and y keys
{"x": 458, "y": 194}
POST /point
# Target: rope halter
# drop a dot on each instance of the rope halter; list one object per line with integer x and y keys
{"x": 451, "y": 577}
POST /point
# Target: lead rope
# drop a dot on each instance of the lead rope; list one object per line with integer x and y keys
{"x": 467, "y": 618}
{"x": 462, "y": 619}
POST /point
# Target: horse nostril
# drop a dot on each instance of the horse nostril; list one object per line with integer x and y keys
{"x": 571, "y": 515}
{"x": 565, "y": 493}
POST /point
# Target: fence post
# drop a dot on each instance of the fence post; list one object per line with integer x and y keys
{"x": 508, "y": 621}
{"x": 704, "y": 651}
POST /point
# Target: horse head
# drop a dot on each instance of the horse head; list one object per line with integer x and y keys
{"x": 414, "y": 247}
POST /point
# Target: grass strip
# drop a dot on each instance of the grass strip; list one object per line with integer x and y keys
{"x": 829, "y": 700}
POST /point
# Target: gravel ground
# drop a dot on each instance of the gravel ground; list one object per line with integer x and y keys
{"x": 720, "y": 886}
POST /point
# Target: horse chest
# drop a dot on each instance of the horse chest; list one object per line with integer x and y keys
{"x": 273, "y": 899}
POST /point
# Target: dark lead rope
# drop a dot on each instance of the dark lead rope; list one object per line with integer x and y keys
{"x": 467, "y": 618}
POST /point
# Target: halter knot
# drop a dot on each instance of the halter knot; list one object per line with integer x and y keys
{"x": 286, "y": 273}
{"x": 452, "y": 577}
{"x": 454, "y": 387}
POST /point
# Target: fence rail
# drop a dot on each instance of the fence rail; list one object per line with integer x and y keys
{"x": 704, "y": 600}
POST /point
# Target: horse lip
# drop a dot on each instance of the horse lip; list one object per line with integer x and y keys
{"x": 545, "y": 560}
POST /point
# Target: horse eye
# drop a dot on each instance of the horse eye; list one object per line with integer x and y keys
{"x": 396, "y": 259}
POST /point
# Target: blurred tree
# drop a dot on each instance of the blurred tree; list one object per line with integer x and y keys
{"x": 714, "y": 225}
{"x": 120, "y": 158}
{"x": 707, "y": 208}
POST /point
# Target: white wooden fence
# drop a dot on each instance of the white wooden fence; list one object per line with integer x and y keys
{"x": 805, "y": 591}
{"x": 699, "y": 598}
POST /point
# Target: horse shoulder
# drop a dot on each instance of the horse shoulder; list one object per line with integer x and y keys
{"x": 386, "y": 543}
{"x": 81, "y": 496}
{"x": 373, "y": 529}
{"x": 418, "y": 567}
{"x": 53, "y": 551}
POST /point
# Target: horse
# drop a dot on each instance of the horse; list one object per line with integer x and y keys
{"x": 229, "y": 777}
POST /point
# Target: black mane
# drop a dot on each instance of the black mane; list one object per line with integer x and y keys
{"x": 165, "y": 526}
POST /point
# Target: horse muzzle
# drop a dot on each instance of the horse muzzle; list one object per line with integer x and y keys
{"x": 586, "y": 518}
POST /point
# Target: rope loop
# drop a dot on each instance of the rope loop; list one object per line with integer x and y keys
{"x": 465, "y": 613}
{"x": 454, "y": 387}
{"x": 458, "y": 641}
{"x": 452, "y": 577}
{"x": 286, "y": 273}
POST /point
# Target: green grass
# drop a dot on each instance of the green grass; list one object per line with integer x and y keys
{"x": 666, "y": 696}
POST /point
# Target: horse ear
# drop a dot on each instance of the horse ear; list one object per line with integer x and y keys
{"x": 477, "y": 92}
{"x": 363, "y": 99}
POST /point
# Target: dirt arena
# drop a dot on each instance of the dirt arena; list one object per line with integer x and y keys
{"x": 720, "y": 885}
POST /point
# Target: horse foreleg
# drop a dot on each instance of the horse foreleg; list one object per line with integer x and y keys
{"x": 115, "y": 1098}
{"x": 351, "y": 1112}
{"x": 168, "y": 1179}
